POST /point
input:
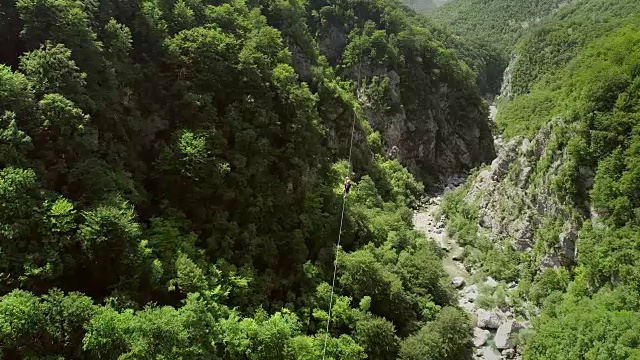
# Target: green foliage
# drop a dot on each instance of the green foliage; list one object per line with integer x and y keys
{"x": 363, "y": 275}
{"x": 605, "y": 326}
{"x": 380, "y": 93}
{"x": 422, "y": 6}
{"x": 15, "y": 93}
{"x": 29, "y": 256}
{"x": 609, "y": 254}
{"x": 576, "y": 77}
{"x": 496, "y": 22}
{"x": 377, "y": 337}
{"x": 447, "y": 337}
{"x": 50, "y": 325}
{"x": 495, "y": 260}
{"x": 588, "y": 88}
{"x": 483, "y": 58}
{"x": 462, "y": 217}
{"x": 51, "y": 70}
{"x": 404, "y": 187}
{"x": 372, "y": 46}
{"x": 15, "y": 142}
{"x": 551, "y": 46}
{"x": 548, "y": 282}
{"x": 492, "y": 297}
{"x": 175, "y": 169}
{"x": 546, "y": 236}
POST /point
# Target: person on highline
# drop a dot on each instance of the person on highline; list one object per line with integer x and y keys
{"x": 347, "y": 186}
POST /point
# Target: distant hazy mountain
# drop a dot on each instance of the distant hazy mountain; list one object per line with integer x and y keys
{"x": 424, "y": 6}
{"x": 497, "y": 22}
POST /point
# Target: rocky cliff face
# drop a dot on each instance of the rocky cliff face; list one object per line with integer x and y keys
{"x": 427, "y": 139}
{"x": 506, "y": 90}
{"x": 431, "y": 130}
{"x": 522, "y": 203}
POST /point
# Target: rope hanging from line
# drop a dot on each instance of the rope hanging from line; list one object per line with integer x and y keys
{"x": 344, "y": 201}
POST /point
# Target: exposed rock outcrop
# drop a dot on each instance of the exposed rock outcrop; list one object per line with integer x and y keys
{"x": 518, "y": 195}
{"x": 488, "y": 319}
{"x": 436, "y": 129}
{"x": 432, "y": 142}
{"x": 506, "y": 90}
{"x": 480, "y": 336}
{"x": 506, "y": 335}
{"x": 489, "y": 354}
{"x": 457, "y": 282}
{"x": 333, "y": 39}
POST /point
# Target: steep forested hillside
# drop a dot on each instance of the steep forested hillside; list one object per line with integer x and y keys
{"x": 486, "y": 31}
{"x": 484, "y": 59}
{"x": 550, "y": 47}
{"x": 424, "y": 6}
{"x": 170, "y": 179}
{"x": 557, "y": 211}
{"x": 421, "y": 6}
{"x": 497, "y": 22}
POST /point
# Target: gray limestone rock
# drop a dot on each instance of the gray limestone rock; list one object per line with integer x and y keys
{"x": 567, "y": 242}
{"x": 509, "y": 353}
{"x": 523, "y": 180}
{"x": 491, "y": 282}
{"x": 431, "y": 144}
{"x": 470, "y": 293}
{"x": 334, "y": 39}
{"x": 506, "y": 335}
{"x": 490, "y": 354}
{"x": 524, "y": 237}
{"x": 480, "y": 337}
{"x": 550, "y": 261}
{"x": 488, "y": 319}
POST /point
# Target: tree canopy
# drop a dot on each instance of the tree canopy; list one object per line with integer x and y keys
{"x": 170, "y": 182}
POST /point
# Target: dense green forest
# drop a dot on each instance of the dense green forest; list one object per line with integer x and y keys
{"x": 171, "y": 176}
{"x": 576, "y": 82}
{"x": 495, "y": 22}
{"x": 170, "y": 182}
{"x": 592, "y": 88}
{"x": 488, "y": 30}
{"x": 422, "y": 6}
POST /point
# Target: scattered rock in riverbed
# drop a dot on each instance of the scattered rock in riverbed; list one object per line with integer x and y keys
{"x": 467, "y": 306}
{"x": 480, "y": 337}
{"x": 469, "y": 292}
{"x": 488, "y": 319}
{"x": 506, "y": 335}
{"x": 491, "y": 282}
{"x": 467, "y": 298}
{"x": 509, "y": 353}
{"x": 457, "y": 282}
{"x": 489, "y": 354}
